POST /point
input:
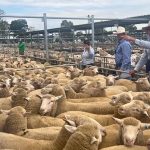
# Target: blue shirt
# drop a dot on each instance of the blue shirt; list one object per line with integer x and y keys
{"x": 123, "y": 55}
{"x": 88, "y": 56}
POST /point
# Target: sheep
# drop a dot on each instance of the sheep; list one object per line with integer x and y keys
{"x": 142, "y": 84}
{"x": 63, "y": 106}
{"x": 46, "y": 133}
{"x": 76, "y": 84}
{"x": 5, "y": 103}
{"x": 90, "y": 71}
{"x": 16, "y": 122}
{"x": 122, "y": 147}
{"x": 135, "y": 109}
{"x": 18, "y": 97}
{"x": 54, "y": 89}
{"x": 16, "y": 142}
{"x": 37, "y": 121}
{"x": 73, "y": 72}
{"x": 56, "y": 70}
{"x": 126, "y": 97}
{"x": 122, "y": 98}
{"x": 129, "y": 132}
{"x": 104, "y": 120}
{"x": 25, "y": 85}
{"x": 85, "y": 137}
{"x": 70, "y": 93}
{"x": 4, "y": 90}
{"x": 90, "y": 100}
{"x": 37, "y": 82}
{"x": 110, "y": 80}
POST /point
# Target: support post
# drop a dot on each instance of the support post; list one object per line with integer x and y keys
{"x": 45, "y": 35}
{"x": 92, "y": 24}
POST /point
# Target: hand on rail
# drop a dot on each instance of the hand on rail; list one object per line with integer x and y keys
{"x": 132, "y": 73}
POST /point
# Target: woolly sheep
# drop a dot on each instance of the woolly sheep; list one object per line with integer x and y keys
{"x": 142, "y": 84}
{"x": 70, "y": 93}
{"x": 37, "y": 121}
{"x": 63, "y": 106}
{"x": 46, "y": 133}
{"x": 16, "y": 122}
{"x": 135, "y": 109}
{"x": 85, "y": 137}
{"x": 122, "y": 147}
{"x": 129, "y": 132}
{"x": 16, "y": 142}
{"x": 90, "y": 71}
{"x": 104, "y": 120}
{"x": 4, "y": 90}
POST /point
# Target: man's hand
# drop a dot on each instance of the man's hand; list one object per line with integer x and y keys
{"x": 129, "y": 38}
{"x": 132, "y": 73}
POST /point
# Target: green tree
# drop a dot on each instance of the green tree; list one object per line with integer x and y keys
{"x": 4, "y": 27}
{"x": 67, "y": 24}
{"x": 131, "y": 28}
{"x": 19, "y": 26}
{"x": 68, "y": 35}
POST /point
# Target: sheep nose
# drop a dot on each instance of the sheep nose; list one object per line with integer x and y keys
{"x": 129, "y": 142}
{"x": 121, "y": 110}
{"x": 41, "y": 111}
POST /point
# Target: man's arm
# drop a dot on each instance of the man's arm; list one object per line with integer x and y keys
{"x": 141, "y": 62}
{"x": 141, "y": 43}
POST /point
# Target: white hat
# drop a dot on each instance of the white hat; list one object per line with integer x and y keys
{"x": 120, "y": 30}
{"x": 147, "y": 27}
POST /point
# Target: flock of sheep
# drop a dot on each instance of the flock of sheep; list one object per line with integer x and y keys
{"x": 43, "y": 107}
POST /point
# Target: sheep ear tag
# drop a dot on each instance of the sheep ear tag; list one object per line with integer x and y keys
{"x": 93, "y": 140}
{"x": 71, "y": 129}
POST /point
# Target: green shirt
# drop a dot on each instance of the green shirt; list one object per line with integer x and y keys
{"x": 21, "y": 46}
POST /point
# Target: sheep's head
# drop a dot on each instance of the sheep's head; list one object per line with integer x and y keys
{"x": 143, "y": 84}
{"x": 135, "y": 109}
{"x": 131, "y": 129}
{"x": 123, "y": 98}
{"x": 110, "y": 80}
{"x": 48, "y": 103}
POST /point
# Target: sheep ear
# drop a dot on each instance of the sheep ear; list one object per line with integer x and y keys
{"x": 116, "y": 77}
{"x": 119, "y": 121}
{"x": 58, "y": 97}
{"x": 27, "y": 99}
{"x": 145, "y": 126}
{"x": 6, "y": 112}
{"x": 145, "y": 113}
{"x": 93, "y": 140}
{"x": 71, "y": 129}
{"x": 39, "y": 95}
{"x": 103, "y": 132}
{"x": 27, "y": 114}
{"x": 70, "y": 122}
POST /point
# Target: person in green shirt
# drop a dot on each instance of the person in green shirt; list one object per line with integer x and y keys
{"x": 21, "y": 47}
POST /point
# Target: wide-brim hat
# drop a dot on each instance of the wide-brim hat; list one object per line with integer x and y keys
{"x": 147, "y": 27}
{"x": 119, "y": 30}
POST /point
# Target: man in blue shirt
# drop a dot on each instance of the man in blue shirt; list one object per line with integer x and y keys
{"x": 145, "y": 57}
{"x": 123, "y": 54}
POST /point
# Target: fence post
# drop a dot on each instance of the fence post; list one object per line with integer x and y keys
{"x": 92, "y": 24}
{"x": 45, "y": 35}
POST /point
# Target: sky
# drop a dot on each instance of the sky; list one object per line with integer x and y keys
{"x": 69, "y": 8}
